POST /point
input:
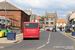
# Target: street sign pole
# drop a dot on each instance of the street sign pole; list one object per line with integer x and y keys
{"x": 5, "y": 14}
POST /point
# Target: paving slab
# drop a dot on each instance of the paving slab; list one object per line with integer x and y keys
{"x": 5, "y": 40}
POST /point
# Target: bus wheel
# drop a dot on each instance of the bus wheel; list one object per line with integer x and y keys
{"x": 37, "y": 38}
{"x": 23, "y": 38}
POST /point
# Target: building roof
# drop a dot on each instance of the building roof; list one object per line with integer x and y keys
{"x": 38, "y": 17}
{"x": 50, "y": 15}
{"x": 69, "y": 14}
{"x": 61, "y": 21}
{"x": 27, "y": 12}
{"x": 9, "y": 6}
{"x": 72, "y": 16}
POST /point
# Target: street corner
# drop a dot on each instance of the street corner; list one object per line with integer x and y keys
{"x": 18, "y": 40}
{"x": 6, "y": 41}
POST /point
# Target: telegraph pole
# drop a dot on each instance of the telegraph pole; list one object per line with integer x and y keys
{"x": 5, "y": 14}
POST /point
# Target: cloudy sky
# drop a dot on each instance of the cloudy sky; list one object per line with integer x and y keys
{"x": 40, "y": 6}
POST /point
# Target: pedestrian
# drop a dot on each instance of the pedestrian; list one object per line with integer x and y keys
{"x": 8, "y": 28}
{"x": 60, "y": 28}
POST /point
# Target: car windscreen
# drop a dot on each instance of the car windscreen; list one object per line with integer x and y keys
{"x": 31, "y": 25}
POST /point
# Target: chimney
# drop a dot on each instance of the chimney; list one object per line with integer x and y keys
{"x": 45, "y": 13}
{"x": 30, "y": 8}
{"x": 56, "y": 12}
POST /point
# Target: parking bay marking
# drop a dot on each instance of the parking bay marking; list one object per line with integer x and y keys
{"x": 46, "y": 43}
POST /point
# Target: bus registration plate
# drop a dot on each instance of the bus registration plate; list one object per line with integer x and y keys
{"x": 30, "y": 36}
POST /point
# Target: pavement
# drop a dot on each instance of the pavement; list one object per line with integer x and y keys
{"x": 5, "y": 40}
{"x": 48, "y": 41}
{"x": 69, "y": 35}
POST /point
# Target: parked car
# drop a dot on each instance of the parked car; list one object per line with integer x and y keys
{"x": 14, "y": 27}
{"x": 48, "y": 29}
{"x": 67, "y": 28}
{"x": 54, "y": 30}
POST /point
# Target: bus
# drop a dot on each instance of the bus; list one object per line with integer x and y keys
{"x": 31, "y": 30}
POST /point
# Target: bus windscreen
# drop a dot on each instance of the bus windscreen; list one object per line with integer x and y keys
{"x": 31, "y": 25}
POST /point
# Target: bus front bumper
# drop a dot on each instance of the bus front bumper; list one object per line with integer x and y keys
{"x": 30, "y": 36}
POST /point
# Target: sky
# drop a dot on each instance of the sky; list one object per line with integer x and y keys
{"x": 63, "y": 7}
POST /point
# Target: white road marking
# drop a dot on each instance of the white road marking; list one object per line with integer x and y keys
{"x": 46, "y": 43}
{"x": 41, "y": 46}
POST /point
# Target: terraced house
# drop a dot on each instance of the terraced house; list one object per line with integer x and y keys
{"x": 15, "y": 14}
{"x": 50, "y": 19}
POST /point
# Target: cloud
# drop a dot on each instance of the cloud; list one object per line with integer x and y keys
{"x": 1, "y": 0}
{"x": 40, "y": 6}
{"x": 47, "y": 3}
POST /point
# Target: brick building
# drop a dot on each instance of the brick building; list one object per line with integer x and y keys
{"x": 16, "y": 15}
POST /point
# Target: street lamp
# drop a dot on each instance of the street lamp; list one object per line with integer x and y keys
{"x": 5, "y": 14}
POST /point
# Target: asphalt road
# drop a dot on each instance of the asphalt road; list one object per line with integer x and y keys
{"x": 48, "y": 41}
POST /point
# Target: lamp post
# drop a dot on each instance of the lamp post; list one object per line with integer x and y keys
{"x": 5, "y": 14}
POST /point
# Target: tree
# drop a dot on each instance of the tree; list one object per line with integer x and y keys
{"x": 43, "y": 18}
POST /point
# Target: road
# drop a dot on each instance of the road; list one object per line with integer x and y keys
{"x": 48, "y": 41}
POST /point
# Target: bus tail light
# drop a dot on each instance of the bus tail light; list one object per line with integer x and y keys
{"x": 25, "y": 33}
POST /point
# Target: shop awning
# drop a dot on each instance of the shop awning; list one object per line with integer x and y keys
{"x": 59, "y": 26}
{"x": 62, "y": 26}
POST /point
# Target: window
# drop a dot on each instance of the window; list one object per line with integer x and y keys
{"x": 43, "y": 22}
{"x": 46, "y": 22}
{"x": 51, "y": 19}
{"x": 51, "y": 22}
{"x": 46, "y": 18}
{"x": 31, "y": 25}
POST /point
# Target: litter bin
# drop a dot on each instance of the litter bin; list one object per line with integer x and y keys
{"x": 11, "y": 36}
{"x": 73, "y": 33}
{"x": 1, "y": 33}
{"x": 8, "y": 31}
{"x": 5, "y": 32}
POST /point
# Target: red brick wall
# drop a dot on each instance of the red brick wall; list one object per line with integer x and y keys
{"x": 17, "y": 17}
{"x": 14, "y": 16}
